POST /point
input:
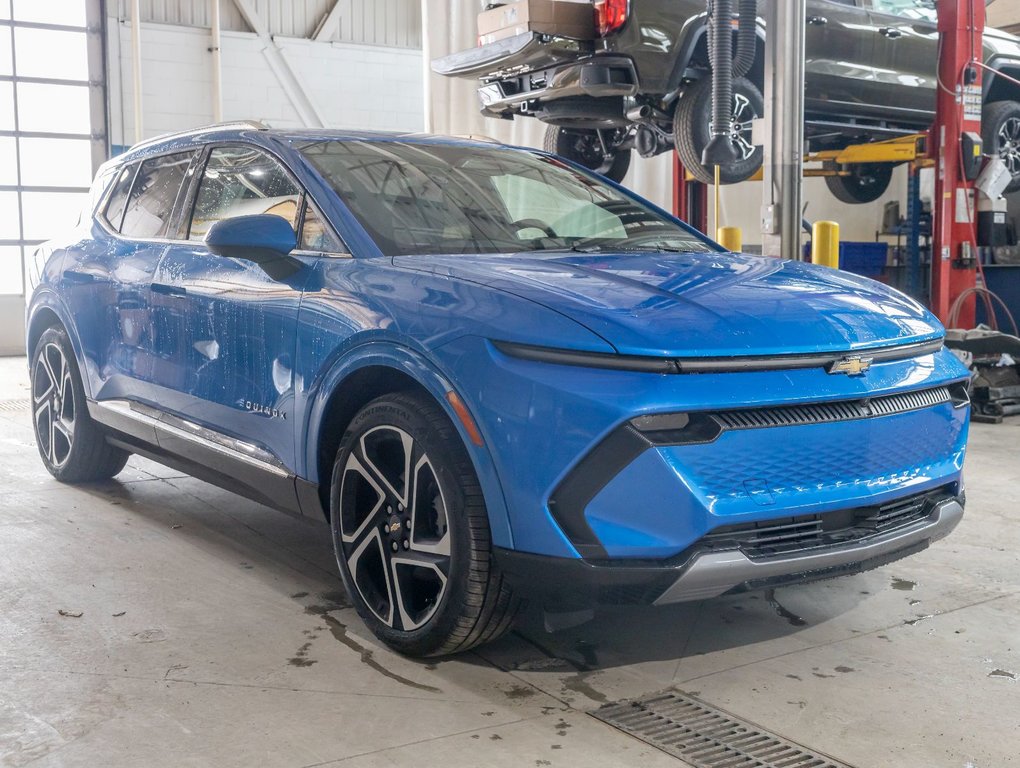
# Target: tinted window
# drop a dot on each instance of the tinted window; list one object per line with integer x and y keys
{"x": 154, "y": 194}
{"x": 923, "y": 10}
{"x": 420, "y": 198}
{"x": 118, "y": 198}
{"x": 241, "y": 181}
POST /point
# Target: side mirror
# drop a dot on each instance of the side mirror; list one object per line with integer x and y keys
{"x": 264, "y": 239}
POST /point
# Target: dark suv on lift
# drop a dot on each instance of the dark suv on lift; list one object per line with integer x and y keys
{"x": 644, "y": 84}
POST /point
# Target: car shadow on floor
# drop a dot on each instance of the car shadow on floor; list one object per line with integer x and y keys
{"x": 295, "y": 557}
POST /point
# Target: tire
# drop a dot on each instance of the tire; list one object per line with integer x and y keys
{"x": 866, "y": 183}
{"x": 582, "y": 146}
{"x": 73, "y": 447}
{"x": 416, "y": 558}
{"x": 692, "y": 126}
{"x": 1000, "y": 134}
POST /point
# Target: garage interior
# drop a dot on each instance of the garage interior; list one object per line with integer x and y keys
{"x": 157, "y": 620}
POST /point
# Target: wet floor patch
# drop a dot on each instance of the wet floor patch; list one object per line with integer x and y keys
{"x": 1003, "y": 673}
{"x": 903, "y": 585}
{"x": 327, "y": 603}
{"x": 793, "y": 619}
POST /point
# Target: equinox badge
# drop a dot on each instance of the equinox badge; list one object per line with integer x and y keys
{"x": 851, "y": 365}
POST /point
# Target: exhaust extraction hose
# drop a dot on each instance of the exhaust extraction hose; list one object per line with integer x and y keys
{"x": 720, "y": 150}
{"x": 726, "y": 67}
{"x": 747, "y": 38}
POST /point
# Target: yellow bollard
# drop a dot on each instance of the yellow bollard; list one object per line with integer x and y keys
{"x": 730, "y": 238}
{"x": 825, "y": 244}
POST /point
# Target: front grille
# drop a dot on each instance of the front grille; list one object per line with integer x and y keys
{"x": 795, "y": 535}
{"x": 824, "y": 413}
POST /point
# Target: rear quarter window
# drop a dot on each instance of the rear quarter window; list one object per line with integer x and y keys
{"x": 154, "y": 195}
{"x": 114, "y": 213}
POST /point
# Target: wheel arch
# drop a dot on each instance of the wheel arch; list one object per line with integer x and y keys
{"x": 46, "y": 311}
{"x": 999, "y": 88}
{"x": 371, "y": 371}
{"x": 41, "y": 320}
{"x": 694, "y": 55}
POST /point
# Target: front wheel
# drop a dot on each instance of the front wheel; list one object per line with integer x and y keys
{"x": 72, "y": 446}
{"x": 411, "y": 532}
{"x": 1000, "y": 129}
{"x": 589, "y": 147}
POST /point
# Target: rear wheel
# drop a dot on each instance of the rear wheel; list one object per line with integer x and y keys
{"x": 590, "y": 147}
{"x": 692, "y": 130}
{"x": 864, "y": 182}
{"x": 72, "y": 446}
{"x": 1000, "y": 128}
{"x": 411, "y": 532}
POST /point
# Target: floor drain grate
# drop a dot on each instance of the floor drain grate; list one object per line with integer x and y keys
{"x": 14, "y": 405}
{"x": 706, "y": 737}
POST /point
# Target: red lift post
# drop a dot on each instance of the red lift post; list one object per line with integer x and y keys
{"x": 961, "y": 25}
{"x": 690, "y": 198}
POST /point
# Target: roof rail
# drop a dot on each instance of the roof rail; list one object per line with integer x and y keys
{"x": 256, "y": 125}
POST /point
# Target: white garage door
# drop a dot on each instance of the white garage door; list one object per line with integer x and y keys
{"x": 52, "y": 133}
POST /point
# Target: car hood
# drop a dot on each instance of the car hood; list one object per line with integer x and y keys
{"x": 704, "y": 304}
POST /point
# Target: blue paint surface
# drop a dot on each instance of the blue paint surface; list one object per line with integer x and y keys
{"x": 220, "y": 342}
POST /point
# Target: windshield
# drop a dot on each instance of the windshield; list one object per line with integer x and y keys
{"x": 418, "y": 198}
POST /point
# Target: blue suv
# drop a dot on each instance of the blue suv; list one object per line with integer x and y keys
{"x": 495, "y": 374}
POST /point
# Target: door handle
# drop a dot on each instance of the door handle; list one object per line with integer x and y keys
{"x": 174, "y": 291}
{"x": 890, "y": 32}
{"x": 817, "y": 21}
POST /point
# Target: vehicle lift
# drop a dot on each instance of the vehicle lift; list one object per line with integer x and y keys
{"x": 952, "y": 146}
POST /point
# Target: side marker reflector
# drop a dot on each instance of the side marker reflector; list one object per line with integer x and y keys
{"x": 465, "y": 418}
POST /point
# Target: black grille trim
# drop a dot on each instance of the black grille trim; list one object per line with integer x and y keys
{"x": 825, "y": 413}
{"x": 797, "y": 535}
{"x": 696, "y": 365}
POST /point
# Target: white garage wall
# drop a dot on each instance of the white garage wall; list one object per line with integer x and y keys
{"x": 452, "y": 27}
{"x": 351, "y": 85}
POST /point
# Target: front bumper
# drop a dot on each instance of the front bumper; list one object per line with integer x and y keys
{"x": 596, "y": 77}
{"x": 703, "y": 572}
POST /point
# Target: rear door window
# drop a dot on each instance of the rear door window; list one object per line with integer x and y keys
{"x": 154, "y": 195}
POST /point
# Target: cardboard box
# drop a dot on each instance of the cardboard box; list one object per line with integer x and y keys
{"x": 564, "y": 18}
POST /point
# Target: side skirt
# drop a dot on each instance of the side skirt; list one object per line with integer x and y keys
{"x": 208, "y": 455}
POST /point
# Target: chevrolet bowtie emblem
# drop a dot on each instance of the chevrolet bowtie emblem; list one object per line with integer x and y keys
{"x": 851, "y": 365}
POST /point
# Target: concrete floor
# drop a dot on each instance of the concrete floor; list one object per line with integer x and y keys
{"x": 201, "y": 629}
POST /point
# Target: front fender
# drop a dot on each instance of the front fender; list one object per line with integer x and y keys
{"x": 429, "y": 375}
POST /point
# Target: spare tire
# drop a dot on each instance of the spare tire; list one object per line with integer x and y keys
{"x": 583, "y": 146}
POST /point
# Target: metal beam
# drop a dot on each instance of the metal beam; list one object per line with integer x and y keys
{"x": 784, "y": 128}
{"x": 292, "y": 87}
{"x": 99, "y": 102}
{"x": 136, "y": 66}
{"x": 217, "y": 57}
{"x": 330, "y": 23}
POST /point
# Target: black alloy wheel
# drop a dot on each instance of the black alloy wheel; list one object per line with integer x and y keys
{"x": 72, "y": 446}
{"x": 411, "y": 531}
